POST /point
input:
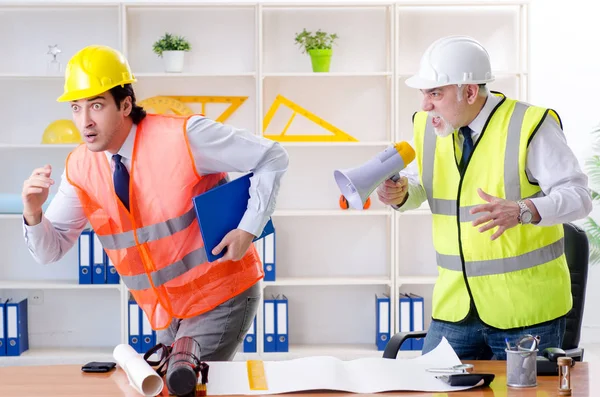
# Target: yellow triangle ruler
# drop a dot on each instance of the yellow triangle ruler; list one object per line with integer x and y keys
{"x": 163, "y": 104}
{"x": 336, "y": 136}
{"x": 256, "y": 375}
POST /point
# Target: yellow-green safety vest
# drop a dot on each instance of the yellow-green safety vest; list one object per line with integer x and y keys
{"x": 519, "y": 279}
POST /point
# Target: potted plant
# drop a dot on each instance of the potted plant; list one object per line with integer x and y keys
{"x": 172, "y": 49}
{"x": 319, "y": 46}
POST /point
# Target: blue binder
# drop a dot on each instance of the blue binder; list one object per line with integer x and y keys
{"x": 250, "y": 339}
{"x": 112, "y": 276}
{"x": 2, "y": 328}
{"x": 382, "y": 321}
{"x": 270, "y": 325}
{"x": 220, "y": 210}
{"x": 404, "y": 319}
{"x": 281, "y": 317}
{"x": 417, "y": 322}
{"x": 99, "y": 263}
{"x": 17, "y": 335}
{"x": 86, "y": 257}
{"x": 134, "y": 322}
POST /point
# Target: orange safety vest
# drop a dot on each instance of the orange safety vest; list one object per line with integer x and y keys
{"x": 156, "y": 247}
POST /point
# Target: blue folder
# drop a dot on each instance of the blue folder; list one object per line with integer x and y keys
{"x": 220, "y": 210}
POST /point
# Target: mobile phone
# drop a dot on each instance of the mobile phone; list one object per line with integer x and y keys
{"x": 98, "y": 366}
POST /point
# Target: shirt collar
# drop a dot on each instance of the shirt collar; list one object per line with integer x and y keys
{"x": 479, "y": 122}
{"x": 126, "y": 150}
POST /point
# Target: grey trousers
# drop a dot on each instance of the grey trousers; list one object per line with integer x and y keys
{"x": 220, "y": 331}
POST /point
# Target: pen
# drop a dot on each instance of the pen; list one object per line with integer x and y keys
{"x": 507, "y": 344}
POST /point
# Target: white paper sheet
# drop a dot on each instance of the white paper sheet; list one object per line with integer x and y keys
{"x": 141, "y": 376}
{"x": 365, "y": 375}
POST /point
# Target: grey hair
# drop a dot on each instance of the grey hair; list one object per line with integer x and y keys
{"x": 483, "y": 91}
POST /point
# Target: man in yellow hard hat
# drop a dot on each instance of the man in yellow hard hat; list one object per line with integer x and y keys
{"x": 500, "y": 180}
{"x": 133, "y": 180}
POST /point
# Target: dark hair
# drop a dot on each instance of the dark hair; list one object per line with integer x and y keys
{"x": 120, "y": 93}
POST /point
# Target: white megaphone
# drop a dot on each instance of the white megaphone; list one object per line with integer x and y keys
{"x": 357, "y": 184}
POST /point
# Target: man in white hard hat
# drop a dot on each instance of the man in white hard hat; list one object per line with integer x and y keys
{"x": 500, "y": 180}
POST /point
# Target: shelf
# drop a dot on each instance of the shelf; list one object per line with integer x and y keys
{"x": 420, "y": 280}
{"x": 53, "y": 284}
{"x": 329, "y": 74}
{"x": 495, "y": 72}
{"x": 417, "y": 211}
{"x": 317, "y": 281}
{"x": 57, "y": 356}
{"x": 339, "y": 212}
{"x": 31, "y": 76}
{"x": 37, "y": 146}
{"x": 341, "y": 351}
{"x": 337, "y": 144}
{"x": 174, "y": 75}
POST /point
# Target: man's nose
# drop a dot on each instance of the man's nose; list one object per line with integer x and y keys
{"x": 426, "y": 104}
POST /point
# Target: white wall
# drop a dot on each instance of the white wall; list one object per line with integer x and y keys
{"x": 565, "y": 70}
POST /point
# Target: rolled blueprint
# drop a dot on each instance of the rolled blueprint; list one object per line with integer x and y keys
{"x": 140, "y": 374}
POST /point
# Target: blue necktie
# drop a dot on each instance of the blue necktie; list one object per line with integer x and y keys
{"x": 121, "y": 180}
{"x": 467, "y": 148}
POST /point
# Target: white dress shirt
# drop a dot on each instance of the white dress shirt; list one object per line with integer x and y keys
{"x": 550, "y": 162}
{"x": 215, "y": 147}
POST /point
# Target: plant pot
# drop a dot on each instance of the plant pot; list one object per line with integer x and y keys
{"x": 174, "y": 61}
{"x": 321, "y": 59}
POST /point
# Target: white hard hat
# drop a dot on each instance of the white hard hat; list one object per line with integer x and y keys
{"x": 453, "y": 60}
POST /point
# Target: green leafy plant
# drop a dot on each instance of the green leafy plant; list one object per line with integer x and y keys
{"x": 591, "y": 226}
{"x": 170, "y": 42}
{"x": 315, "y": 41}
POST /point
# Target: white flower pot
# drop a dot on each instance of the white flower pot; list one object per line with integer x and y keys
{"x": 173, "y": 61}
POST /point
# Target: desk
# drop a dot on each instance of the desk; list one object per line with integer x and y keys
{"x": 69, "y": 381}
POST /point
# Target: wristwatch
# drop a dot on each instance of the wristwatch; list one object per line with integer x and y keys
{"x": 525, "y": 214}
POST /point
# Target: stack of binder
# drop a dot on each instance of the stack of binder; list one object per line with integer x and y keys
{"x": 141, "y": 336}
{"x": 14, "y": 328}
{"x": 410, "y": 317}
{"x": 276, "y": 324}
{"x": 266, "y": 251}
{"x": 94, "y": 265}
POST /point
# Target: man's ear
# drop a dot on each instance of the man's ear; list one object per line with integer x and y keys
{"x": 126, "y": 106}
{"x": 472, "y": 92}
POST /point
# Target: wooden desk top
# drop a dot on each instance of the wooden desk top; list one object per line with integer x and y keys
{"x": 69, "y": 381}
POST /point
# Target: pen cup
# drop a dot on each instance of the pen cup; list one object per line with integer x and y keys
{"x": 521, "y": 368}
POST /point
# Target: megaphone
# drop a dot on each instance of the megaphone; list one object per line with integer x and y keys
{"x": 357, "y": 184}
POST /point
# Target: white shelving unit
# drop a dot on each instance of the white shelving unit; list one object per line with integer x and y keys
{"x": 330, "y": 262}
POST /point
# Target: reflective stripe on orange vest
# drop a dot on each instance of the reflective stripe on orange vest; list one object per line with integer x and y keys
{"x": 152, "y": 232}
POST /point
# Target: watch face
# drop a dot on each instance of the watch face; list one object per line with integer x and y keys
{"x": 526, "y": 217}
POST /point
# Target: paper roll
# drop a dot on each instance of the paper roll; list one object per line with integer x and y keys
{"x": 141, "y": 375}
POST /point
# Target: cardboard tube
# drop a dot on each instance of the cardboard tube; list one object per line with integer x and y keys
{"x": 141, "y": 375}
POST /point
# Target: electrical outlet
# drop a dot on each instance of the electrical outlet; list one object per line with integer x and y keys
{"x": 36, "y": 297}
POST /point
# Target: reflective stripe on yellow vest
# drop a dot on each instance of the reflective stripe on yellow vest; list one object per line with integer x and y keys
{"x": 519, "y": 279}
{"x": 157, "y": 247}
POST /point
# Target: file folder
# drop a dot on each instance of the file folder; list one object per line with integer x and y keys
{"x": 2, "y": 328}
{"x": 220, "y": 210}
{"x": 250, "y": 339}
{"x": 281, "y": 317}
{"x": 134, "y": 326}
{"x": 270, "y": 319}
{"x": 405, "y": 319}
{"x": 148, "y": 339}
{"x": 99, "y": 265}
{"x": 85, "y": 257}
{"x": 269, "y": 256}
{"x": 417, "y": 323}
{"x": 17, "y": 335}
{"x": 112, "y": 276}
{"x": 382, "y": 321}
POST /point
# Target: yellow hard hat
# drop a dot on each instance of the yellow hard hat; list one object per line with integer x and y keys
{"x": 61, "y": 131}
{"x": 93, "y": 70}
